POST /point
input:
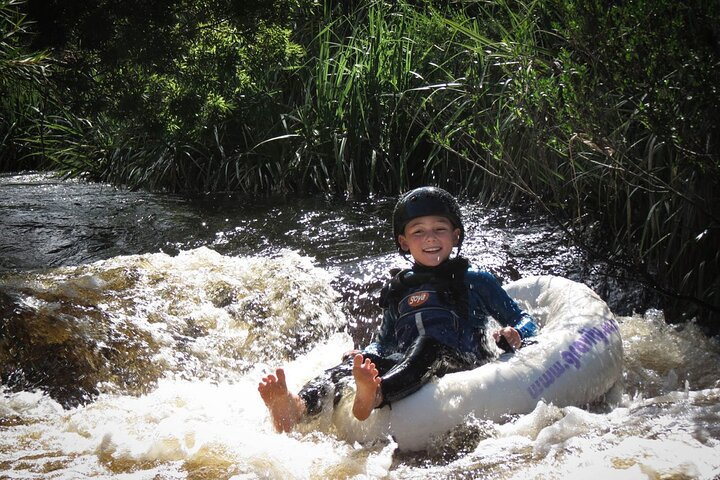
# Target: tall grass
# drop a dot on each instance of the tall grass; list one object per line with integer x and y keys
{"x": 593, "y": 154}
{"x": 354, "y": 113}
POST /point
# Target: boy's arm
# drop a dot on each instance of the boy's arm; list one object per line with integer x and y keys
{"x": 526, "y": 327}
{"x": 504, "y": 309}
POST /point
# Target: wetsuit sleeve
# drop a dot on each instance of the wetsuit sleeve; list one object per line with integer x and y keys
{"x": 526, "y": 327}
{"x": 385, "y": 342}
{"x": 503, "y": 308}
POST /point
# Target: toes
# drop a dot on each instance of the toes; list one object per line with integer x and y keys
{"x": 370, "y": 367}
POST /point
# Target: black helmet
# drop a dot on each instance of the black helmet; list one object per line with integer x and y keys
{"x": 426, "y": 201}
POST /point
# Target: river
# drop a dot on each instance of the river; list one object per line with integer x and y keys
{"x": 136, "y": 326}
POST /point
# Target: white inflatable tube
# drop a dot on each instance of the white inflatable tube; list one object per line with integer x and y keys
{"x": 578, "y": 357}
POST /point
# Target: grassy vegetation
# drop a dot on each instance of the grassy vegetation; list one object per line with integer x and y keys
{"x": 604, "y": 114}
{"x": 22, "y": 83}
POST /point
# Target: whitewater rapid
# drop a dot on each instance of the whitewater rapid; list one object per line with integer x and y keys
{"x": 193, "y": 333}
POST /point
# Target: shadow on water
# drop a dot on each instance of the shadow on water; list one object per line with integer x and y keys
{"x": 49, "y": 222}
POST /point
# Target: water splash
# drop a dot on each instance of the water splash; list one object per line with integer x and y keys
{"x": 119, "y": 325}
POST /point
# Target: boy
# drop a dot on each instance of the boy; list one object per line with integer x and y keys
{"x": 434, "y": 317}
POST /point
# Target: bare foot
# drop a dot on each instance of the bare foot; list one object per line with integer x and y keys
{"x": 285, "y": 408}
{"x": 367, "y": 381}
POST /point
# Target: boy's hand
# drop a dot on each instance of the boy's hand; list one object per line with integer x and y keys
{"x": 511, "y": 335}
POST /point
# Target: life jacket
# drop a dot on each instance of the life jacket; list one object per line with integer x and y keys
{"x": 429, "y": 301}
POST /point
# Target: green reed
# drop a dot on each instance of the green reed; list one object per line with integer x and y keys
{"x": 348, "y": 119}
{"x": 592, "y": 152}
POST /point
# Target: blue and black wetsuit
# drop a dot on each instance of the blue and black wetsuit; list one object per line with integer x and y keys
{"x": 434, "y": 322}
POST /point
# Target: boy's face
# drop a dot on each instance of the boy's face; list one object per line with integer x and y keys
{"x": 429, "y": 239}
